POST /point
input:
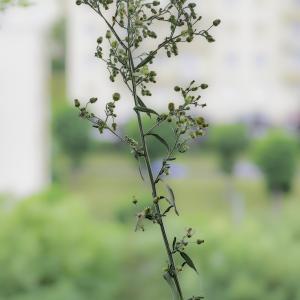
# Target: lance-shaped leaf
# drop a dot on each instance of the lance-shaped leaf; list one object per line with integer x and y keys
{"x": 174, "y": 243}
{"x": 170, "y": 281}
{"x": 171, "y": 199}
{"x": 188, "y": 260}
{"x": 146, "y": 110}
{"x": 167, "y": 210}
{"x": 159, "y": 138}
{"x": 140, "y": 168}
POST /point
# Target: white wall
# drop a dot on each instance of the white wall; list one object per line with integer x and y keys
{"x": 24, "y": 99}
{"x": 243, "y": 68}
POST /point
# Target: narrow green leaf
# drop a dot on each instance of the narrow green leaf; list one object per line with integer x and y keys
{"x": 172, "y": 200}
{"x": 167, "y": 210}
{"x": 174, "y": 243}
{"x": 162, "y": 140}
{"x": 146, "y": 110}
{"x": 140, "y": 169}
{"x": 171, "y": 158}
{"x": 188, "y": 260}
{"x": 172, "y": 285}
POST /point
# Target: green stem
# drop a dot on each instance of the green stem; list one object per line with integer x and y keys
{"x": 149, "y": 170}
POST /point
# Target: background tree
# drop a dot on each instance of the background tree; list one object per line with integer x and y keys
{"x": 228, "y": 141}
{"x": 276, "y": 155}
{"x": 72, "y": 136}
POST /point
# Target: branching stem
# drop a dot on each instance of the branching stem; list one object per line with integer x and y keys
{"x": 150, "y": 173}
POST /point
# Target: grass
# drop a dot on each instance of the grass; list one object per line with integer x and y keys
{"x": 107, "y": 182}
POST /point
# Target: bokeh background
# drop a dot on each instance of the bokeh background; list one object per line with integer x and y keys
{"x": 66, "y": 214}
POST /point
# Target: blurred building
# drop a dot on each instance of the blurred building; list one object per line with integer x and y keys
{"x": 244, "y": 68}
{"x": 24, "y": 98}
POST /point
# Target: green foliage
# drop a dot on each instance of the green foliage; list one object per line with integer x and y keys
{"x": 276, "y": 155}
{"x": 229, "y": 141}
{"x": 258, "y": 261}
{"x": 72, "y": 135}
{"x": 54, "y": 250}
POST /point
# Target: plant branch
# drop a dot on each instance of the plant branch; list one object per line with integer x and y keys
{"x": 149, "y": 169}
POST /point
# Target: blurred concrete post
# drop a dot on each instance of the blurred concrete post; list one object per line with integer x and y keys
{"x": 24, "y": 99}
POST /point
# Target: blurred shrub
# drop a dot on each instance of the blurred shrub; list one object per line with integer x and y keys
{"x": 255, "y": 261}
{"x": 155, "y": 147}
{"x": 276, "y": 155}
{"x": 228, "y": 141}
{"x": 54, "y": 250}
{"x": 72, "y": 134}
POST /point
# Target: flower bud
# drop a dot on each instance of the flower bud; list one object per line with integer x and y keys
{"x": 217, "y": 22}
{"x": 204, "y": 86}
{"x": 78, "y": 2}
{"x": 114, "y": 44}
{"x": 171, "y": 106}
{"x": 77, "y": 103}
{"x": 100, "y": 40}
{"x": 199, "y": 242}
{"x": 93, "y": 100}
{"x": 108, "y": 34}
{"x": 177, "y": 89}
{"x": 134, "y": 201}
{"x": 116, "y": 96}
{"x": 200, "y": 120}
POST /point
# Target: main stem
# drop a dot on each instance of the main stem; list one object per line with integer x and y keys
{"x": 150, "y": 174}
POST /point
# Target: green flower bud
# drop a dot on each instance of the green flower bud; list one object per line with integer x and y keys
{"x": 217, "y": 22}
{"x": 93, "y": 100}
{"x": 189, "y": 39}
{"x": 192, "y": 5}
{"x": 200, "y": 121}
{"x": 204, "y": 86}
{"x": 116, "y": 96}
{"x": 199, "y": 242}
{"x": 108, "y": 34}
{"x": 177, "y": 89}
{"x": 114, "y": 126}
{"x": 134, "y": 201}
{"x": 210, "y": 39}
{"x": 100, "y": 40}
{"x": 78, "y": 2}
{"x": 77, "y": 103}
{"x": 171, "y": 106}
{"x": 114, "y": 44}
